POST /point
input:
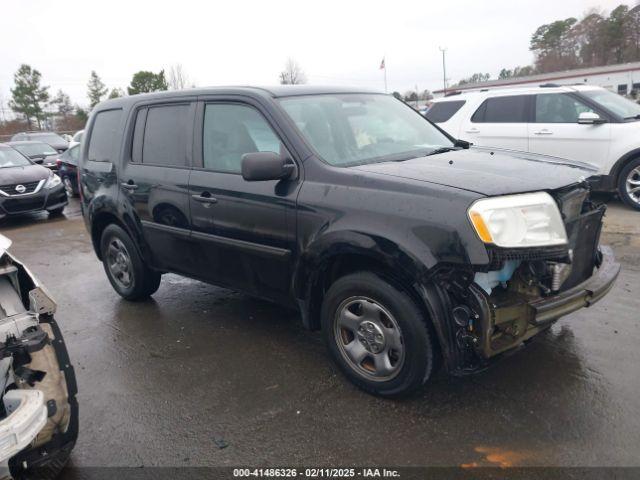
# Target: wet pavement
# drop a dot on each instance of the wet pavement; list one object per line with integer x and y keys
{"x": 202, "y": 376}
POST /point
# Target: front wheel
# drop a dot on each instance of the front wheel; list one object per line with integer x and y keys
{"x": 127, "y": 272}
{"x": 629, "y": 184}
{"x": 377, "y": 335}
{"x": 56, "y": 212}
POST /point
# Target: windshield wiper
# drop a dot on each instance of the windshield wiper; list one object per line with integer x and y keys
{"x": 634, "y": 117}
{"x": 441, "y": 150}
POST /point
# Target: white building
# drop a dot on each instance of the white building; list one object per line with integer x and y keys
{"x": 621, "y": 78}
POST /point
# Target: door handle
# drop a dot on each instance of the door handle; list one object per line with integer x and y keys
{"x": 129, "y": 185}
{"x": 544, "y": 131}
{"x": 202, "y": 198}
{"x": 472, "y": 130}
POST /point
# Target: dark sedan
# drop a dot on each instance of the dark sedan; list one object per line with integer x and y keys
{"x": 38, "y": 152}
{"x": 26, "y": 187}
{"x": 68, "y": 170}
{"x": 52, "y": 138}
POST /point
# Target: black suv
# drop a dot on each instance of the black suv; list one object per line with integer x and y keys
{"x": 406, "y": 247}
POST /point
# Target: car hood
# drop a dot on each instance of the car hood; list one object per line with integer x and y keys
{"x": 488, "y": 171}
{"x": 30, "y": 173}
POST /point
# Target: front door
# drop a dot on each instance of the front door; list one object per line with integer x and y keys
{"x": 155, "y": 180}
{"x": 244, "y": 232}
{"x": 556, "y": 131}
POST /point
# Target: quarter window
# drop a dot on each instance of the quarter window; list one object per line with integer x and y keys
{"x": 512, "y": 109}
{"x": 559, "y": 108}
{"x": 103, "y": 143}
{"x": 230, "y": 131}
{"x": 443, "y": 111}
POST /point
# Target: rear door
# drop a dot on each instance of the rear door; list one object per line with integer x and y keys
{"x": 244, "y": 232}
{"x": 500, "y": 122}
{"x": 155, "y": 178}
{"x": 555, "y": 129}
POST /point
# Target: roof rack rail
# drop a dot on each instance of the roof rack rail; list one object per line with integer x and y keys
{"x": 449, "y": 94}
{"x": 549, "y": 85}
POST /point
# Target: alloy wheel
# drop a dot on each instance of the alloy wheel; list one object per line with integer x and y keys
{"x": 369, "y": 338}
{"x": 67, "y": 186}
{"x": 119, "y": 263}
{"x": 633, "y": 184}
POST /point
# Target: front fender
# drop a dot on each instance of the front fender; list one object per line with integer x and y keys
{"x": 379, "y": 250}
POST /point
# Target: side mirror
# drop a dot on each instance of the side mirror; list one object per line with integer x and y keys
{"x": 261, "y": 166}
{"x": 590, "y": 118}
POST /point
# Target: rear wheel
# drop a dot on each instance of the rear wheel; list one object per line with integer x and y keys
{"x": 126, "y": 270}
{"x": 377, "y": 335}
{"x": 629, "y": 184}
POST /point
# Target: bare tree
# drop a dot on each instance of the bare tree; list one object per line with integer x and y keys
{"x": 292, "y": 73}
{"x": 178, "y": 79}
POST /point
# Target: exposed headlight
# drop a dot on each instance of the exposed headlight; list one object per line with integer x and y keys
{"x": 53, "y": 181}
{"x": 527, "y": 220}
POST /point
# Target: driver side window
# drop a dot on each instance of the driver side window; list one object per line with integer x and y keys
{"x": 559, "y": 108}
{"x": 232, "y": 130}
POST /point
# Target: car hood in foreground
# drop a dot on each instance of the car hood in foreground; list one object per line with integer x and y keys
{"x": 488, "y": 171}
{"x": 31, "y": 173}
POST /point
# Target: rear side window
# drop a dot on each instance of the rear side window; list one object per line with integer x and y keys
{"x": 443, "y": 111}
{"x": 103, "y": 143}
{"x": 502, "y": 110}
{"x": 166, "y": 135}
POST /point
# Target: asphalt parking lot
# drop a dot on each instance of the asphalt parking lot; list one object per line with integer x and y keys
{"x": 202, "y": 376}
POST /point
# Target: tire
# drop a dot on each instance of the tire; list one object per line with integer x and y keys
{"x": 629, "y": 179}
{"x": 125, "y": 269}
{"x": 376, "y": 313}
{"x": 56, "y": 212}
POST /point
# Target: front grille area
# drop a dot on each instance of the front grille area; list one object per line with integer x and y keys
{"x": 10, "y": 190}
{"x": 19, "y": 205}
{"x": 499, "y": 255}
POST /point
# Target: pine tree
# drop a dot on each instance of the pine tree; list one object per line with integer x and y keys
{"x": 28, "y": 96}
{"x": 96, "y": 89}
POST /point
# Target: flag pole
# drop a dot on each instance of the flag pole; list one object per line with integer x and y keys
{"x": 385, "y": 74}
{"x": 385, "y": 77}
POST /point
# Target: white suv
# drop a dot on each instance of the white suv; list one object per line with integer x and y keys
{"x": 582, "y": 123}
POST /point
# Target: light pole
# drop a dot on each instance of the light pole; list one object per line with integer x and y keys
{"x": 444, "y": 71}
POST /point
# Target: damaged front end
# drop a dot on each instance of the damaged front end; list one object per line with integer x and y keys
{"x": 522, "y": 291}
{"x": 39, "y": 411}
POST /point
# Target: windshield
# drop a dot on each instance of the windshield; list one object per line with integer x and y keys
{"x": 32, "y": 149}
{"x": 48, "y": 137}
{"x": 614, "y": 102}
{"x": 355, "y": 129}
{"x": 10, "y": 158}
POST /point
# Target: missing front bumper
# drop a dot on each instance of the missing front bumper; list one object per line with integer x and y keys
{"x": 505, "y": 325}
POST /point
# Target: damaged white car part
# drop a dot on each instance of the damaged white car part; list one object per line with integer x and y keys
{"x": 39, "y": 411}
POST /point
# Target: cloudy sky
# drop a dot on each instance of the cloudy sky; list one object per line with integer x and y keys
{"x": 247, "y": 42}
